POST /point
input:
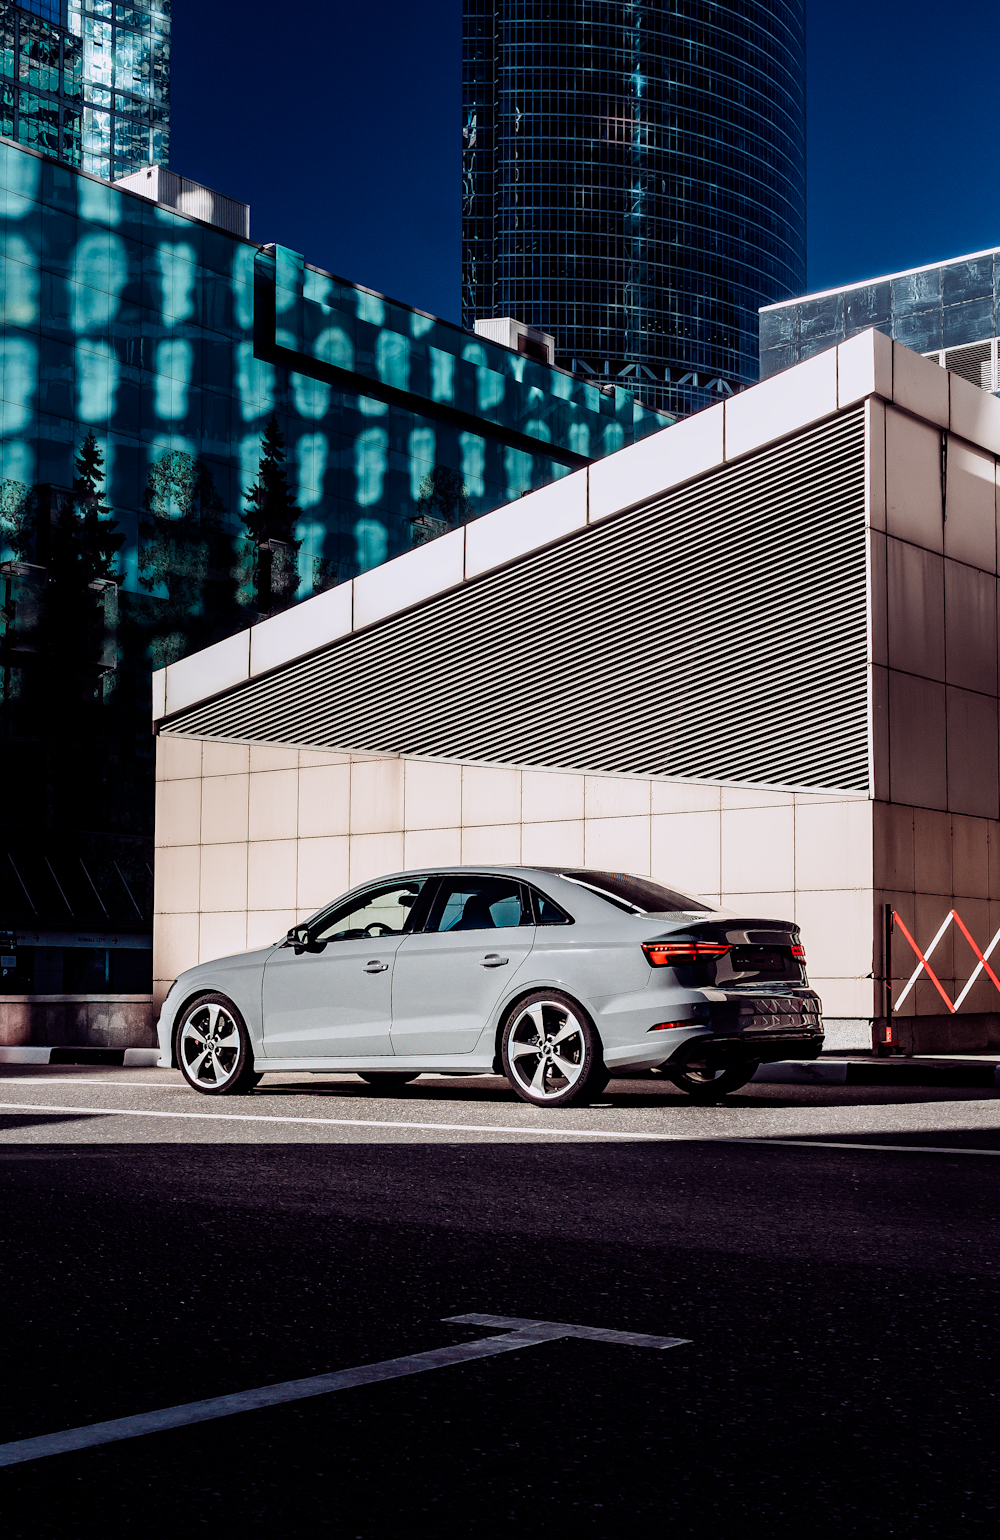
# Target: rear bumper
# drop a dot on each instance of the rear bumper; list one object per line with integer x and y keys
{"x": 766, "y": 1029}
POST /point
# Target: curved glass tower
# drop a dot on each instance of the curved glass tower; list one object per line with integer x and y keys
{"x": 634, "y": 182}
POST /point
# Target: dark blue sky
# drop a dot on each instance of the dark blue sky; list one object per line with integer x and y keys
{"x": 341, "y": 125}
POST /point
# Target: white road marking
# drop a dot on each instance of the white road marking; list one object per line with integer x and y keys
{"x": 520, "y": 1334}
{"x": 499, "y": 1128}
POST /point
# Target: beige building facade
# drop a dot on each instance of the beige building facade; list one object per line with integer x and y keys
{"x": 762, "y": 665}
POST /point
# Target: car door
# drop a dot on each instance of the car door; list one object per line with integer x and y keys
{"x": 330, "y": 995}
{"x": 449, "y": 976}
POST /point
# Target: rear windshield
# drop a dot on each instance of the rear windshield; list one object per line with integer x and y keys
{"x": 636, "y": 894}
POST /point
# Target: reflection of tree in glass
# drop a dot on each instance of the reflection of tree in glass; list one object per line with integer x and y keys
{"x": 186, "y": 557}
{"x": 17, "y": 519}
{"x": 269, "y": 516}
{"x": 443, "y": 504}
{"x": 79, "y": 609}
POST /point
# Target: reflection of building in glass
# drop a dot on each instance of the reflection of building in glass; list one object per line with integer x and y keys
{"x": 949, "y": 311}
{"x": 634, "y": 183}
{"x": 182, "y": 348}
{"x": 87, "y": 81}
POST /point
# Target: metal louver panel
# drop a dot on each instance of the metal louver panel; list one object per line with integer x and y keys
{"x": 718, "y": 632}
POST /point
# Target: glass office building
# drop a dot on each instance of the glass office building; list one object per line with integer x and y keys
{"x": 195, "y": 359}
{"x": 634, "y": 182}
{"x": 87, "y": 81}
{"x": 949, "y": 311}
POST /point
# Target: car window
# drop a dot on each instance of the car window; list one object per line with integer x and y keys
{"x": 637, "y": 895}
{"x": 548, "y": 911}
{"x": 383, "y": 911}
{"x": 478, "y": 903}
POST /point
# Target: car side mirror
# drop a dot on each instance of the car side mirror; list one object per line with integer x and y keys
{"x": 299, "y": 938}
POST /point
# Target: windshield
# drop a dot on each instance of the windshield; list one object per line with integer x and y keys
{"x": 639, "y": 895}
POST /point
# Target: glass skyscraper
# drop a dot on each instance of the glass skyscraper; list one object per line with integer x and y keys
{"x": 634, "y": 182}
{"x": 87, "y": 81}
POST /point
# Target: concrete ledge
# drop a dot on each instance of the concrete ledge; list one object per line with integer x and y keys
{"x": 875, "y": 1072}
{"x": 129, "y": 1058}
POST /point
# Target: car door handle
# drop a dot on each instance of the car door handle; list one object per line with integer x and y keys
{"x": 494, "y": 960}
{"x": 375, "y": 966}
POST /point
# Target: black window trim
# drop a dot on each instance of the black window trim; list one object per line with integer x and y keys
{"x": 536, "y": 894}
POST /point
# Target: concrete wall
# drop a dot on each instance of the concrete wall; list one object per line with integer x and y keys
{"x": 55, "y": 1021}
{"x": 249, "y": 840}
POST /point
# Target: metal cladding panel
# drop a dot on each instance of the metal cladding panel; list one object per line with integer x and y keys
{"x": 718, "y": 632}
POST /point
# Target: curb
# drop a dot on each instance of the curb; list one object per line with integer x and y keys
{"x": 876, "y": 1072}
{"x": 128, "y": 1058}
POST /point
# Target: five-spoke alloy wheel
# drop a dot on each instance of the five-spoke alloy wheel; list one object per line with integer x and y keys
{"x": 551, "y": 1053}
{"x": 214, "y": 1049}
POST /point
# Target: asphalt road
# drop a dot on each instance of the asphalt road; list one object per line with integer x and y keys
{"x": 830, "y": 1253}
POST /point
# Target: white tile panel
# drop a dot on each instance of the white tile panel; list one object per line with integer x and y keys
{"x": 432, "y": 847}
{"x": 222, "y": 935}
{"x": 919, "y": 385}
{"x": 686, "y": 851}
{"x": 663, "y": 460}
{"x": 970, "y": 528}
{"x": 864, "y": 368}
{"x": 432, "y": 794}
{"x": 913, "y": 479}
{"x": 301, "y": 629}
{"x": 159, "y": 693}
{"x": 324, "y": 871}
{"x": 758, "y": 850}
{"x": 224, "y": 800}
{"x": 272, "y": 869}
{"x": 532, "y": 521}
{"x": 208, "y": 672}
{"x": 493, "y": 845}
{"x": 375, "y": 855}
{"x": 548, "y": 797}
{"x": 781, "y": 405}
{"x": 617, "y": 844}
{"x": 552, "y": 844}
{"x": 408, "y": 579}
{"x": 178, "y": 759}
{"x": 274, "y": 806}
{"x": 223, "y": 878}
{"x": 975, "y": 414}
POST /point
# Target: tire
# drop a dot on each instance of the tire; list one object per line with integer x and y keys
{"x": 705, "y": 1084}
{"x": 388, "y": 1080}
{"x": 214, "y": 1051}
{"x": 538, "y": 1074}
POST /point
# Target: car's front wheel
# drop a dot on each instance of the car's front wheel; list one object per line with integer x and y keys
{"x": 706, "y": 1082}
{"x": 551, "y": 1052}
{"x": 214, "y": 1050}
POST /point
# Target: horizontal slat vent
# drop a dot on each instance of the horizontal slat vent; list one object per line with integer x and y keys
{"x": 717, "y": 632}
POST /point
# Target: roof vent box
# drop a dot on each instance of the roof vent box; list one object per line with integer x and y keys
{"x": 177, "y": 192}
{"x": 526, "y": 340}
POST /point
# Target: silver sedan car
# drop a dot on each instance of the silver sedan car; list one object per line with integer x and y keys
{"x": 558, "y": 978}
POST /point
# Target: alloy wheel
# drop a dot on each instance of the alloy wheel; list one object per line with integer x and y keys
{"x": 209, "y": 1047}
{"x": 546, "y": 1050}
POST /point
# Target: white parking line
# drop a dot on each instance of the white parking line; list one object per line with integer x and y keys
{"x": 520, "y": 1334}
{"x": 497, "y": 1128}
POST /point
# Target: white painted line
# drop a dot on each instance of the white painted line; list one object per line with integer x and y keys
{"x": 520, "y": 1334}
{"x": 497, "y": 1128}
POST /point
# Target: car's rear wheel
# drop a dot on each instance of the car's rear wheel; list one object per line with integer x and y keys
{"x": 551, "y": 1052}
{"x": 214, "y": 1050}
{"x": 388, "y": 1080}
{"x": 706, "y": 1082}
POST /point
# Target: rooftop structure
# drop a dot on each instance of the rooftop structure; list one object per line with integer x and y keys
{"x": 949, "y": 311}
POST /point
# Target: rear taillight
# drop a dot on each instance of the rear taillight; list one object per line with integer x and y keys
{"x": 799, "y": 952}
{"x": 675, "y": 954}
